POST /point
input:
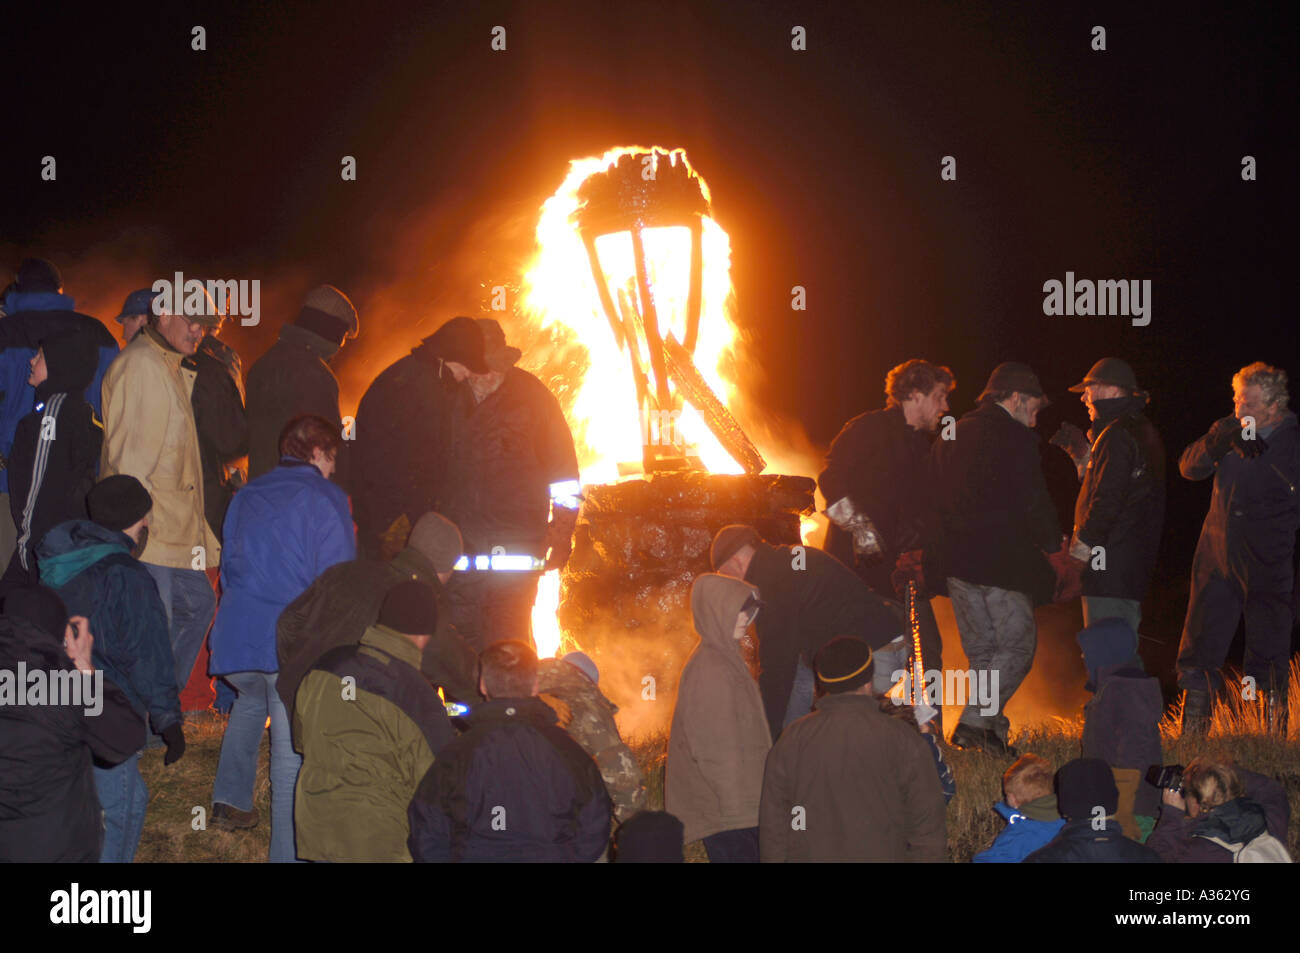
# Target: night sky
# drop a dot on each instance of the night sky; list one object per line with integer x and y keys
{"x": 824, "y": 167}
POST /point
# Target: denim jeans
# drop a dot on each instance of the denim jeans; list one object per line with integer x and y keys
{"x": 801, "y": 694}
{"x": 237, "y": 767}
{"x": 733, "y": 847}
{"x": 124, "y": 798}
{"x": 190, "y": 603}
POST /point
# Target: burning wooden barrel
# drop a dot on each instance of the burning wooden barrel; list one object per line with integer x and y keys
{"x": 625, "y": 593}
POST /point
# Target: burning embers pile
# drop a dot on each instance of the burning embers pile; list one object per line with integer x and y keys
{"x": 631, "y": 264}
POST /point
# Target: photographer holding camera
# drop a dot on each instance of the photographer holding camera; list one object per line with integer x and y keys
{"x": 1217, "y": 813}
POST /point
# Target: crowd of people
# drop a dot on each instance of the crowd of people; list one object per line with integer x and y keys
{"x": 376, "y": 583}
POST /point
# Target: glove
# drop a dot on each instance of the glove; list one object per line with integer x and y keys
{"x": 174, "y": 738}
{"x": 1220, "y": 438}
{"x": 908, "y": 569}
{"x": 866, "y": 539}
{"x": 1248, "y": 449}
{"x": 1069, "y": 574}
{"x": 1074, "y": 442}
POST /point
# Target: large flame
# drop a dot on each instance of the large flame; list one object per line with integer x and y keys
{"x": 559, "y": 292}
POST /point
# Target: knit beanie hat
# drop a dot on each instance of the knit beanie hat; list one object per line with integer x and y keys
{"x": 649, "y": 837}
{"x": 438, "y": 539}
{"x": 459, "y": 340}
{"x": 118, "y": 501}
{"x": 411, "y": 608}
{"x": 1085, "y": 784}
{"x": 327, "y": 313}
{"x": 583, "y": 663}
{"x": 843, "y": 664}
{"x": 731, "y": 540}
{"x": 37, "y": 274}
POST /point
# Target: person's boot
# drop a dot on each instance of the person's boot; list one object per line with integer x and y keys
{"x": 1197, "y": 704}
{"x": 228, "y": 818}
{"x": 1275, "y": 710}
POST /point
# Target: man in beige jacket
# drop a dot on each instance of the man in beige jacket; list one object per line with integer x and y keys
{"x": 719, "y": 737}
{"x": 149, "y": 434}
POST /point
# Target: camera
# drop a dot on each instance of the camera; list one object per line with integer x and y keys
{"x": 1166, "y": 776}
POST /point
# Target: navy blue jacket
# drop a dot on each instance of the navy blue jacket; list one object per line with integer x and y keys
{"x": 30, "y": 317}
{"x": 1078, "y": 843}
{"x": 1255, "y": 510}
{"x": 515, "y": 787}
{"x": 93, "y": 571}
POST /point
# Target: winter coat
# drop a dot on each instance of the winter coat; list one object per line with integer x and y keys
{"x": 291, "y": 379}
{"x": 344, "y": 601}
{"x": 282, "y": 531}
{"x": 30, "y": 317}
{"x": 513, "y": 788}
{"x": 865, "y": 782}
{"x": 1121, "y": 722}
{"x": 809, "y": 599}
{"x": 220, "y": 422}
{"x": 149, "y": 434}
{"x": 1028, "y": 828}
{"x": 883, "y": 466}
{"x": 719, "y": 736}
{"x": 1121, "y": 504}
{"x": 365, "y": 747}
{"x": 1078, "y": 843}
{"x": 996, "y": 519}
{"x": 403, "y": 444}
{"x": 55, "y": 451}
{"x": 49, "y": 811}
{"x": 509, "y": 451}
{"x": 1250, "y": 530}
{"x": 94, "y": 573}
{"x": 1180, "y": 839}
{"x": 588, "y": 716}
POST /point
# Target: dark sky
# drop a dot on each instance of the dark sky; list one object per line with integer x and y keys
{"x": 824, "y": 167}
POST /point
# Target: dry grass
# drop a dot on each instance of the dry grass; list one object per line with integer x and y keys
{"x": 1236, "y": 733}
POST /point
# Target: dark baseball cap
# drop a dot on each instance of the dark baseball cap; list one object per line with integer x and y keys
{"x": 1109, "y": 370}
{"x": 137, "y": 303}
{"x": 1013, "y": 377}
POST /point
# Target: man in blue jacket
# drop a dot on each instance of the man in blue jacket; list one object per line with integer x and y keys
{"x": 92, "y": 565}
{"x": 1243, "y": 561}
{"x": 33, "y": 308}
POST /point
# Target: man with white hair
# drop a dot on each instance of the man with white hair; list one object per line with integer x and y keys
{"x": 1243, "y": 561}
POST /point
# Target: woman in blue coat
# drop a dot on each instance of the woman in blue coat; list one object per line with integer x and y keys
{"x": 282, "y": 531}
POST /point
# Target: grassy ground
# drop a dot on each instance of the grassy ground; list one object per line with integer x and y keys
{"x": 173, "y": 829}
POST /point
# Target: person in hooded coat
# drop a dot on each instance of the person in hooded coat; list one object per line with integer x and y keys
{"x": 1121, "y": 722}
{"x": 719, "y": 738}
{"x": 403, "y": 438}
{"x": 33, "y": 308}
{"x": 48, "y": 809}
{"x": 56, "y": 449}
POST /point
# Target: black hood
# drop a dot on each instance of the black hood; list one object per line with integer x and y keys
{"x": 70, "y": 362}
